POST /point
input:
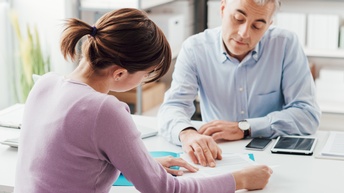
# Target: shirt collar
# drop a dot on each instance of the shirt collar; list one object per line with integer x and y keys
{"x": 224, "y": 56}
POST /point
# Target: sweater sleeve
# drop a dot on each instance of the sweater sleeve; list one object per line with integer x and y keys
{"x": 119, "y": 143}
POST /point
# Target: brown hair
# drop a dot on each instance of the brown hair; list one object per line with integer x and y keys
{"x": 124, "y": 37}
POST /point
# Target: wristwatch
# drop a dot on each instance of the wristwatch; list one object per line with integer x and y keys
{"x": 245, "y": 127}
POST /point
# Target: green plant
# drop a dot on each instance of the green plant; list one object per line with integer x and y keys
{"x": 30, "y": 59}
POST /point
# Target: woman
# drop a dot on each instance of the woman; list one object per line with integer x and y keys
{"x": 76, "y": 138}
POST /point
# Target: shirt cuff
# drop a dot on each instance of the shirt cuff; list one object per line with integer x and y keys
{"x": 176, "y": 131}
{"x": 260, "y": 127}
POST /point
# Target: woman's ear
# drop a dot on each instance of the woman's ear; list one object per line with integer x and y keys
{"x": 119, "y": 73}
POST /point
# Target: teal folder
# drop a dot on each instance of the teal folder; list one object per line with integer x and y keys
{"x": 122, "y": 181}
{"x": 251, "y": 156}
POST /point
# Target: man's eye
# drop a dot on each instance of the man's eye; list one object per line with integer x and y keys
{"x": 257, "y": 26}
{"x": 238, "y": 18}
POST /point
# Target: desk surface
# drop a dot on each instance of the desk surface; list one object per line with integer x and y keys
{"x": 292, "y": 173}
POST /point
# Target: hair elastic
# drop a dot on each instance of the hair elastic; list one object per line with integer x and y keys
{"x": 94, "y": 31}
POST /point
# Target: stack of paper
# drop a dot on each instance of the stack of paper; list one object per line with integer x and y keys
{"x": 229, "y": 163}
{"x": 334, "y": 145}
{"x": 12, "y": 116}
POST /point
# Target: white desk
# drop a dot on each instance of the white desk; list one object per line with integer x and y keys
{"x": 292, "y": 173}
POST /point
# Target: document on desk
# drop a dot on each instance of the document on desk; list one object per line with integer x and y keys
{"x": 6, "y": 189}
{"x": 12, "y": 116}
{"x": 334, "y": 145}
{"x": 229, "y": 163}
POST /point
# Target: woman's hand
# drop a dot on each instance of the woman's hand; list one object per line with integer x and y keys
{"x": 169, "y": 161}
{"x": 252, "y": 178}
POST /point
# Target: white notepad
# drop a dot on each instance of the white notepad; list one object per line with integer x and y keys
{"x": 12, "y": 116}
{"x": 146, "y": 131}
{"x": 334, "y": 145}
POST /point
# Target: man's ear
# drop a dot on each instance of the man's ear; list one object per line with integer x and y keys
{"x": 222, "y": 7}
{"x": 119, "y": 73}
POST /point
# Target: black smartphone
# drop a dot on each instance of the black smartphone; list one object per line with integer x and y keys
{"x": 258, "y": 143}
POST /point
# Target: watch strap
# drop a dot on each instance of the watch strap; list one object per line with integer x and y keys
{"x": 246, "y": 133}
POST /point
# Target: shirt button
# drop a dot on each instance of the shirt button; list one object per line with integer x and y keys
{"x": 241, "y": 89}
{"x": 242, "y": 112}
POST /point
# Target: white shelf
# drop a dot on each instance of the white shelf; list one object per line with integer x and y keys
{"x": 331, "y": 106}
{"x": 106, "y": 5}
{"x": 338, "y": 53}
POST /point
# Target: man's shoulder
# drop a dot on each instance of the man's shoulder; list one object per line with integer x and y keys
{"x": 275, "y": 32}
{"x": 208, "y": 36}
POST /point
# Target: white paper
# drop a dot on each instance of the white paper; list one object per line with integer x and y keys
{"x": 12, "y": 116}
{"x": 334, "y": 145}
{"x": 229, "y": 163}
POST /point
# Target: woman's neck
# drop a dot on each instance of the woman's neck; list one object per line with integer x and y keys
{"x": 85, "y": 73}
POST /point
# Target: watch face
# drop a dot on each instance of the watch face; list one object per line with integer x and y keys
{"x": 244, "y": 125}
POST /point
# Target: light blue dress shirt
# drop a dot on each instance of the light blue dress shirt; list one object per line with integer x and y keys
{"x": 272, "y": 87}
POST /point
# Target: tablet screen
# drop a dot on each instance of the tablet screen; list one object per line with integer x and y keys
{"x": 294, "y": 145}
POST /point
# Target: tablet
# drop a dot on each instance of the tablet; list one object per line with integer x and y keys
{"x": 294, "y": 145}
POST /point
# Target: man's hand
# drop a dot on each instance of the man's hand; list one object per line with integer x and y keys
{"x": 222, "y": 130}
{"x": 252, "y": 178}
{"x": 202, "y": 149}
{"x": 169, "y": 161}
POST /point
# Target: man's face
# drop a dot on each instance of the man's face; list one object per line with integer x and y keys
{"x": 243, "y": 25}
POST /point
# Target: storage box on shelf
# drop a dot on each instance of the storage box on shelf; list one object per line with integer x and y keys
{"x": 330, "y": 90}
{"x": 152, "y": 96}
{"x": 173, "y": 27}
{"x": 177, "y": 21}
{"x": 324, "y": 19}
{"x": 214, "y": 16}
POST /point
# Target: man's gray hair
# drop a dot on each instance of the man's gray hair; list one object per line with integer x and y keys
{"x": 264, "y": 2}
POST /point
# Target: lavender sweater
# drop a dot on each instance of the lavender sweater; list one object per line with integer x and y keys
{"x": 77, "y": 140}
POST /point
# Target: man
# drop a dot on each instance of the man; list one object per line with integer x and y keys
{"x": 253, "y": 80}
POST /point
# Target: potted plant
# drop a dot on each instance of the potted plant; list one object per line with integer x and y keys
{"x": 29, "y": 59}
